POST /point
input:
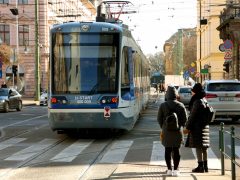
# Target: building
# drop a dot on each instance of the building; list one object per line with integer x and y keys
{"x": 180, "y": 53}
{"x": 209, "y": 58}
{"x": 24, "y": 26}
{"x": 230, "y": 34}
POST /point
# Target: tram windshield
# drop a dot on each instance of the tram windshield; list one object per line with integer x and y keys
{"x": 84, "y": 63}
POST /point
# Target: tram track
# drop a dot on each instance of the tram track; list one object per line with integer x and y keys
{"x": 21, "y": 133}
{"x": 2, "y": 129}
{"x": 96, "y": 159}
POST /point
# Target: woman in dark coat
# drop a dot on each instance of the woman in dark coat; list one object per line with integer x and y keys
{"x": 172, "y": 140}
{"x": 198, "y": 136}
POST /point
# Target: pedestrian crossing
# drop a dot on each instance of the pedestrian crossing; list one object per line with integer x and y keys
{"x": 115, "y": 154}
{"x": 70, "y": 153}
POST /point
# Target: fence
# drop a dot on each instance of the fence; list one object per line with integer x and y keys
{"x": 222, "y": 132}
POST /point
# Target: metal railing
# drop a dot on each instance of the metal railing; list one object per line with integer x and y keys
{"x": 232, "y": 156}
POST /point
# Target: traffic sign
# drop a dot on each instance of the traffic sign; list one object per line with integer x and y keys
{"x": 228, "y": 54}
{"x": 204, "y": 71}
{"x": 228, "y": 44}
{"x": 107, "y": 112}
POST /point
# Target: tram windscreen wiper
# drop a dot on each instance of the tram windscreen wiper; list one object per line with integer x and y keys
{"x": 101, "y": 86}
{"x": 94, "y": 88}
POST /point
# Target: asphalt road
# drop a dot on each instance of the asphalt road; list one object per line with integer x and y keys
{"x": 29, "y": 149}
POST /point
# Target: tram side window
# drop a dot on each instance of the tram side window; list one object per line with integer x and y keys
{"x": 125, "y": 81}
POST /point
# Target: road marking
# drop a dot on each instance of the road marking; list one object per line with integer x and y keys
{"x": 71, "y": 152}
{"x": 9, "y": 125}
{"x": 157, "y": 157}
{"x": 117, "y": 152}
{"x": 10, "y": 142}
{"x": 213, "y": 161}
{"x": 32, "y": 150}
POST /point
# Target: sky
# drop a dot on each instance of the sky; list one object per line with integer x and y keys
{"x": 157, "y": 20}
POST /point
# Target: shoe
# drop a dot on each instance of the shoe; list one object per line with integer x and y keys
{"x": 169, "y": 172}
{"x": 176, "y": 173}
{"x": 199, "y": 169}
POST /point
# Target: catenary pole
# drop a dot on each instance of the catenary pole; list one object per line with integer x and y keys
{"x": 37, "y": 80}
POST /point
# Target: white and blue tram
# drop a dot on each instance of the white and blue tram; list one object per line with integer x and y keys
{"x": 99, "y": 77}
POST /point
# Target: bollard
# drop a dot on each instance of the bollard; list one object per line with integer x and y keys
{"x": 233, "y": 154}
{"x": 222, "y": 148}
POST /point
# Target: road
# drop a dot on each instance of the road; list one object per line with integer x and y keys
{"x": 29, "y": 149}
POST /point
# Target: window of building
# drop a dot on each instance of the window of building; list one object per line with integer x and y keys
{"x": 5, "y": 34}
{"x": 4, "y": 1}
{"x": 23, "y": 35}
{"x": 22, "y": 1}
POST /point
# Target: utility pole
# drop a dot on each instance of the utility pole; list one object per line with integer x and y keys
{"x": 180, "y": 51}
{"x": 200, "y": 39}
{"x": 37, "y": 76}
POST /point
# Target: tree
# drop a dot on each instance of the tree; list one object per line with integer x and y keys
{"x": 5, "y": 53}
{"x": 157, "y": 62}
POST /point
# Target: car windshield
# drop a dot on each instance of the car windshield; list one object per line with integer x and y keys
{"x": 224, "y": 87}
{"x": 3, "y": 92}
{"x": 185, "y": 90}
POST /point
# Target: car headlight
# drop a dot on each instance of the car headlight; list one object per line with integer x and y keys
{"x": 2, "y": 100}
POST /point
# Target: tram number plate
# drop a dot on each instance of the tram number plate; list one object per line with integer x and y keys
{"x": 226, "y": 99}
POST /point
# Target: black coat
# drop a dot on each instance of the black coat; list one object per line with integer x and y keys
{"x": 199, "y": 131}
{"x": 172, "y": 138}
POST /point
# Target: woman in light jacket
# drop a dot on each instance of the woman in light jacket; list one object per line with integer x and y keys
{"x": 172, "y": 140}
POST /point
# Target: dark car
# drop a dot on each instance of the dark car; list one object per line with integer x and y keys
{"x": 10, "y": 99}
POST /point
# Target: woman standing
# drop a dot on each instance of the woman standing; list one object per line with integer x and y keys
{"x": 198, "y": 130}
{"x": 172, "y": 140}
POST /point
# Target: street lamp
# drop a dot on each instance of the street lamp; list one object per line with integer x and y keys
{"x": 15, "y": 12}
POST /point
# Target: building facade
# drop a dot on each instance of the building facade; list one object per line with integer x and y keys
{"x": 25, "y": 26}
{"x": 180, "y": 53}
{"x": 209, "y": 58}
{"x": 230, "y": 34}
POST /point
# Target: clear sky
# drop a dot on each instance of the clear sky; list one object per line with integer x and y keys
{"x": 157, "y": 20}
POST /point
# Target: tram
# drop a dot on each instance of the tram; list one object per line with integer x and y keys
{"x": 99, "y": 77}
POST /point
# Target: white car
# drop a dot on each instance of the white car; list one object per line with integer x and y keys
{"x": 224, "y": 97}
{"x": 184, "y": 94}
{"x": 44, "y": 99}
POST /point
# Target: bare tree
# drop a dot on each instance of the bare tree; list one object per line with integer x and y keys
{"x": 157, "y": 62}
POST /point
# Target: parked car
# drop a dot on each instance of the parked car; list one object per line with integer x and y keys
{"x": 10, "y": 99}
{"x": 43, "y": 99}
{"x": 184, "y": 94}
{"x": 224, "y": 97}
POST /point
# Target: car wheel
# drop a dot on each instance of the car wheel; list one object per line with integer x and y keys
{"x": 6, "y": 107}
{"x": 19, "y": 107}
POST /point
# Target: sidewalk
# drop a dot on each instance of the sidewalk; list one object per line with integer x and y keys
{"x": 29, "y": 101}
{"x": 146, "y": 172}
